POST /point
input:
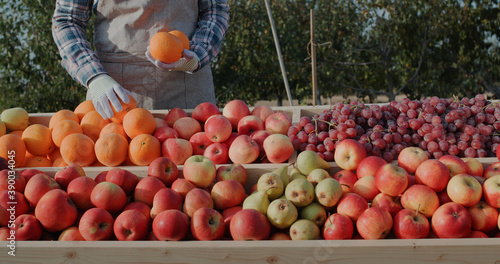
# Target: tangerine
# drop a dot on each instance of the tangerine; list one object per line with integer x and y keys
{"x": 143, "y": 149}
{"x": 38, "y": 140}
{"x": 166, "y": 47}
{"x": 111, "y": 149}
{"x": 182, "y": 37}
{"x": 139, "y": 121}
{"x": 79, "y": 149}
{"x": 12, "y": 147}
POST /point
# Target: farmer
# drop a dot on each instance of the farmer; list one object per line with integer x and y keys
{"x": 119, "y": 66}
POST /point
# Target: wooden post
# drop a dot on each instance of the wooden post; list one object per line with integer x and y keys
{"x": 313, "y": 61}
{"x": 278, "y": 49}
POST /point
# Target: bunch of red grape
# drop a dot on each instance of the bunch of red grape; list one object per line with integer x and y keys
{"x": 466, "y": 127}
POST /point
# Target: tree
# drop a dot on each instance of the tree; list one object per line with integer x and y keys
{"x": 31, "y": 73}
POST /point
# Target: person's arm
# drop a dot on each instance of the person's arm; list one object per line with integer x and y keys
{"x": 206, "y": 41}
{"x": 69, "y": 24}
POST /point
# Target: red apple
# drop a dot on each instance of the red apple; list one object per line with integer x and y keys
{"x": 227, "y": 193}
{"x": 491, "y": 191}
{"x": 278, "y": 123}
{"x": 207, "y": 224}
{"x": 421, "y": 198}
{"x": 227, "y": 214}
{"x": 101, "y": 176}
{"x": 410, "y": 158}
{"x": 204, "y": 110}
{"x": 71, "y": 234}
{"x": 347, "y": 179}
{"x": 79, "y": 191}
{"x": 455, "y": 164}
{"x": 349, "y": 153}
{"x": 56, "y": 211}
{"x": 249, "y": 224}
{"x": 451, "y": 220}
{"x": 279, "y": 236}
{"x": 474, "y": 166}
{"x": 170, "y": 225}
{"x": 491, "y": 170}
{"x": 182, "y": 186}
{"x": 166, "y": 199}
{"x": 278, "y": 148}
{"x": 164, "y": 169}
{"x": 434, "y": 174}
{"x": 232, "y": 172}
{"x": 123, "y": 178}
{"x": 5, "y": 234}
{"x": 96, "y": 224}
{"x": 196, "y": 199}
{"x": 464, "y": 189}
{"x": 27, "y": 227}
{"x": 12, "y": 178}
{"x": 228, "y": 142}
{"x": 443, "y": 197}
{"x": 352, "y": 205}
{"x": 37, "y": 186}
{"x": 30, "y": 172}
{"x": 186, "y": 127}
{"x": 65, "y": 175}
{"x": 131, "y": 225}
{"x": 477, "y": 234}
{"x": 200, "y": 142}
{"x": 234, "y": 110}
{"x": 146, "y": 189}
{"x": 174, "y": 114}
{"x": 243, "y": 150}
{"x": 374, "y": 223}
{"x": 140, "y": 207}
{"x": 248, "y": 124}
{"x": 366, "y": 187}
{"x": 262, "y": 111}
{"x": 218, "y": 153}
{"x": 410, "y": 224}
{"x": 14, "y": 202}
{"x": 259, "y": 136}
{"x": 199, "y": 170}
{"x": 108, "y": 196}
{"x": 5, "y": 216}
{"x": 165, "y": 132}
{"x": 177, "y": 150}
{"x": 369, "y": 166}
{"x": 390, "y": 203}
{"x": 338, "y": 226}
{"x": 391, "y": 179}
{"x": 218, "y": 128}
{"x": 484, "y": 217}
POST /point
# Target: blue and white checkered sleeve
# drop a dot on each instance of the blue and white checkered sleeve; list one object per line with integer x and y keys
{"x": 69, "y": 24}
{"x": 207, "y": 38}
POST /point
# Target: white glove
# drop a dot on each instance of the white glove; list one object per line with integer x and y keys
{"x": 188, "y": 63}
{"x": 105, "y": 89}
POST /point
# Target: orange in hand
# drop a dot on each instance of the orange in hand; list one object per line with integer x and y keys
{"x": 166, "y": 47}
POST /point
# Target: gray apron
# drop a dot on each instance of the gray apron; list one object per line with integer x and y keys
{"x": 121, "y": 35}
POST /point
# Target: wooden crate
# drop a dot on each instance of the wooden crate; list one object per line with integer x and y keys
{"x": 470, "y": 250}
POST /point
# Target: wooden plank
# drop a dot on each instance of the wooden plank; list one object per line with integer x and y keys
{"x": 474, "y": 250}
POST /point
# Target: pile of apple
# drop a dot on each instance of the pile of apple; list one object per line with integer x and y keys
{"x": 234, "y": 135}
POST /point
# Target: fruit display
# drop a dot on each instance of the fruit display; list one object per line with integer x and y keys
{"x": 466, "y": 127}
{"x": 136, "y": 136}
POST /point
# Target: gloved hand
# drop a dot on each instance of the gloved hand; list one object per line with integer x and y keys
{"x": 105, "y": 89}
{"x": 188, "y": 63}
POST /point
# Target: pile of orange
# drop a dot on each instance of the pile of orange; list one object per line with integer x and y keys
{"x": 167, "y": 47}
{"x": 84, "y": 138}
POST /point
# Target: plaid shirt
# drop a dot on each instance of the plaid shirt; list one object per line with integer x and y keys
{"x": 70, "y": 21}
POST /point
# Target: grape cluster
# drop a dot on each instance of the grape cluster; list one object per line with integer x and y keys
{"x": 466, "y": 127}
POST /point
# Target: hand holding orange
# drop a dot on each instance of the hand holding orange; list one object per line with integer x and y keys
{"x": 167, "y": 47}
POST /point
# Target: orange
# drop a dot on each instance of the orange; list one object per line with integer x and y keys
{"x": 113, "y": 128}
{"x": 12, "y": 147}
{"x": 118, "y": 116}
{"x": 54, "y": 155}
{"x": 62, "y": 115}
{"x": 139, "y": 121}
{"x": 64, "y": 128}
{"x": 59, "y": 162}
{"x": 165, "y": 47}
{"x": 143, "y": 149}
{"x": 17, "y": 132}
{"x": 38, "y": 140}
{"x": 83, "y": 108}
{"x": 111, "y": 149}
{"x": 79, "y": 149}
{"x": 92, "y": 124}
{"x": 182, "y": 37}
{"x": 38, "y": 161}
